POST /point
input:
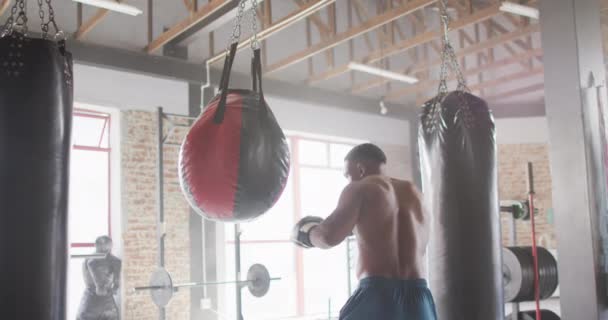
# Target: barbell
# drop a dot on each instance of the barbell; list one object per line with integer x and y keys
{"x": 161, "y": 284}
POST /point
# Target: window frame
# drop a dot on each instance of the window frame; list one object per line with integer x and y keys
{"x": 295, "y": 180}
{"x": 106, "y": 129}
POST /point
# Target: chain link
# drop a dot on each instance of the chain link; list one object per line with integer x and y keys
{"x": 44, "y": 27}
{"x": 7, "y": 29}
{"x": 18, "y": 18}
{"x": 255, "y": 43}
{"x": 449, "y": 60}
{"x": 21, "y": 20}
{"x": 52, "y": 19}
{"x": 236, "y": 30}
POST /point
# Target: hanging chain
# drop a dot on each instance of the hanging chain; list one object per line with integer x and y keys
{"x": 236, "y": 30}
{"x": 18, "y": 18}
{"x": 58, "y": 32}
{"x": 21, "y": 20}
{"x": 449, "y": 60}
{"x": 44, "y": 27}
{"x": 255, "y": 43}
{"x": 10, "y": 22}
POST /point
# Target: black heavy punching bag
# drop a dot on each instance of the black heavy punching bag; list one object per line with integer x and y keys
{"x": 35, "y": 127}
{"x": 458, "y": 165}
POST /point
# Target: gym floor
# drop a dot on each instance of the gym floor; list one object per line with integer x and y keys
{"x": 336, "y": 74}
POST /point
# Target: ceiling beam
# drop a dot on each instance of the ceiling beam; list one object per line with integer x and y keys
{"x": 88, "y": 26}
{"x": 497, "y": 81}
{"x": 410, "y": 43}
{"x": 189, "y": 5}
{"x": 500, "y": 28}
{"x": 315, "y": 19}
{"x": 366, "y": 37}
{"x": 506, "y": 79}
{"x": 204, "y": 15}
{"x": 426, "y": 65}
{"x": 4, "y": 5}
{"x": 422, "y": 86}
{"x": 516, "y": 92}
{"x": 311, "y": 7}
{"x": 522, "y": 75}
{"x": 369, "y": 25}
{"x": 364, "y": 15}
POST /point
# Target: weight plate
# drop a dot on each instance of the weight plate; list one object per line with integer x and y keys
{"x": 512, "y": 275}
{"x": 544, "y": 314}
{"x": 258, "y": 280}
{"x": 161, "y": 278}
{"x": 524, "y": 255}
{"x": 547, "y": 269}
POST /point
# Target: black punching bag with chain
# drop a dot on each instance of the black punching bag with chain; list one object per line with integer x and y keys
{"x": 458, "y": 164}
{"x": 459, "y": 179}
{"x": 35, "y": 128}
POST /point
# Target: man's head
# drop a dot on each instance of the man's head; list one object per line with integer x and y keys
{"x": 364, "y": 160}
{"x": 103, "y": 244}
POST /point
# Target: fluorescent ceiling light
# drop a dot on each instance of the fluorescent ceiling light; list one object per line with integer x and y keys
{"x": 381, "y": 72}
{"x": 113, "y": 6}
{"x": 519, "y": 9}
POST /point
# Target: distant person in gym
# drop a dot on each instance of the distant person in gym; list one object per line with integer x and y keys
{"x": 392, "y": 232}
{"x": 102, "y": 280}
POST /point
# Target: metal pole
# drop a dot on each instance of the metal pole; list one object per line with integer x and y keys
{"x": 160, "y": 199}
{"x": 531, "y": 194}
{"x": 237, "y": 268}
{"x": 513, "y": 243}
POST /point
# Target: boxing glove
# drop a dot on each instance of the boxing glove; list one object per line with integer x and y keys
{"x": 301, "y": 231}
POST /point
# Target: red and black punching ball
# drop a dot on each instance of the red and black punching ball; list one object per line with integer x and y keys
{"x": 35, "y": 129}
{"x": 234, "y": 161}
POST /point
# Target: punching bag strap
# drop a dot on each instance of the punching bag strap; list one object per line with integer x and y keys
{"x": 224, "y": 82}
{"x": 256, "y": 73}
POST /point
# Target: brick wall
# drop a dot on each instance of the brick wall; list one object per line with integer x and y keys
{"x": 512, "y": 185}
{"x": 140, "y": 207}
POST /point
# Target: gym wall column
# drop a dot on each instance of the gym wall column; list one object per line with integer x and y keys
{"x": 572, "y": 46}
{"x": 202, "y": 232}
{"x": 413, "y": 119}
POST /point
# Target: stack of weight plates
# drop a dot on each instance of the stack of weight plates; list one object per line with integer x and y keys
{"x": 518, "y": 274}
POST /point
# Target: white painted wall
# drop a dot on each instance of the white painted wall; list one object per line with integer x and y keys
{"x": 324, "y": 120}
{"x": 129, "y": 91}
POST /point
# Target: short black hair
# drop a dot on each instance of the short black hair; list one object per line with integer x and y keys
{"x": 366, "y": 152}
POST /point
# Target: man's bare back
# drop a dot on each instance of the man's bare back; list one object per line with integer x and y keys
{"x": 392, "y": 231}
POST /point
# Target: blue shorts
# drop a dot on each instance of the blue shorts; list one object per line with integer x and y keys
{"x": 390, "y": 299}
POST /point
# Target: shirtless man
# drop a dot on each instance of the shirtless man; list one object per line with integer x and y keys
{"x": 392, "y": 233}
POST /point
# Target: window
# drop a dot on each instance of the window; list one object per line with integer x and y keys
{"x": 313, "y": 282}
{"x": 90, "y": 198}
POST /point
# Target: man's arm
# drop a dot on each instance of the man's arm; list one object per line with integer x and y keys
{"x": 342, "y": 221}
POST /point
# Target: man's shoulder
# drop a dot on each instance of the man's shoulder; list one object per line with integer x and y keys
{"x": 405, "y": 185}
